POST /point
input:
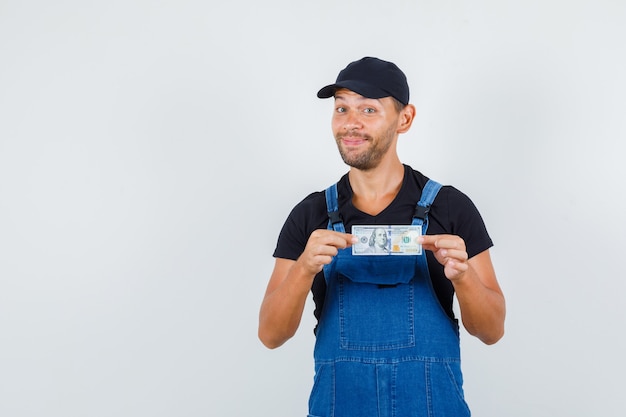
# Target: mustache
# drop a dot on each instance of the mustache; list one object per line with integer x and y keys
{"x": 353, "y": 135}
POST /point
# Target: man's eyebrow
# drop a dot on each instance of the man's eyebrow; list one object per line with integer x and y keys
{"x": 343, "y": 98}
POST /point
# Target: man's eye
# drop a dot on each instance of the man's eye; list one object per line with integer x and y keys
{"x": 341, "y": 110}
{"x": 369, "y": 110}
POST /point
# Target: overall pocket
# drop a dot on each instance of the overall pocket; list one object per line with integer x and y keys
{"x": 321, "y": 400}
{"x": 376, "y": 297}
{"x": 446, "y": 388}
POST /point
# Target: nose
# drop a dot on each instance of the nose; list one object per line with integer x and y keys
{"x": 352, "y": 121}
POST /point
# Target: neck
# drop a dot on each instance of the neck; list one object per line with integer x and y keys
{"x": 373, "y": 190}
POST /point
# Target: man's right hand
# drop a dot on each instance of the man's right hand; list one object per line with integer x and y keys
{"x": 321, "y": 247}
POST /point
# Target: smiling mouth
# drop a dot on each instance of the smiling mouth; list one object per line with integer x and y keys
{"x": 353, "y": 140}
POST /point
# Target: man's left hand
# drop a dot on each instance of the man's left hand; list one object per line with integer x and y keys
{"x": 449, "y": 250}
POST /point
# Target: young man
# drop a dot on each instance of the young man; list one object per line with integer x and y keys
{"x": 387, "y": 341}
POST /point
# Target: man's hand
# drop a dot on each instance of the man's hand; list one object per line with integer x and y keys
{"x": 449, "y": 250}
{"x": 480, "y": 297}
{"x": 290, "y": 284}
{"x": 321, "y": 247}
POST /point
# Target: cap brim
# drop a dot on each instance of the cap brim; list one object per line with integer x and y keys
{"x": 359, "y": 87}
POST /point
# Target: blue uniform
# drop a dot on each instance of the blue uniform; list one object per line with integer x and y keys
{"x": 384, "y": 345}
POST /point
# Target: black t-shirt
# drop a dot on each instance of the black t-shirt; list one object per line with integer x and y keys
{"x": 452, "y": 212}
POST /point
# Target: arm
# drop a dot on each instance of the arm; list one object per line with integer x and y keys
{"x": 290, "y": 283}
{"x": 480, "y": 298}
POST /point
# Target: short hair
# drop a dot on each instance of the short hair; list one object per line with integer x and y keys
{"x": 399, "y": 106}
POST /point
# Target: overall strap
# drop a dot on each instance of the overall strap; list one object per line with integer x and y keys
{"x": 332, "y": 206}
{"x": 420, "y": 217}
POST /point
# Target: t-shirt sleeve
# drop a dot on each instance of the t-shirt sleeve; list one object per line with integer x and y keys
{"x": 305, "y": 217}
{"x": 466, "y": 222}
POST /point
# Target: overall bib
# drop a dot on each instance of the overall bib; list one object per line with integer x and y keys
{"x": 384, "y": 345}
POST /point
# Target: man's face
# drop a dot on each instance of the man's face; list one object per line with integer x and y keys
{"x": 364, "y": 128}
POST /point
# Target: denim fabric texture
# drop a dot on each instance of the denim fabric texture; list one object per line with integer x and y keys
{"x": 384, "y": 345}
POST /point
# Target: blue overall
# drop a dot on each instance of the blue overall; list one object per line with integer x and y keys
{"x": 384, "y": 345}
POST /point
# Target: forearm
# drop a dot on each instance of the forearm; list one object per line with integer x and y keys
{"x": 482, "y": 308}
{"x": 282, "y": 308}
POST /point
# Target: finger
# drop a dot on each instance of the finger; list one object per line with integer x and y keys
{"x": 351, "y": 239}
{"x": 441, "y": 242}
{"x": 447, "y": 243}
{"x": 427, "y": 242}
{"x": 332, "y": 238}
{"x": 323, "y": 259}
{"x": 343, "y": 240}
{"x": 434, "y": 241}
{"x": 426, "y": 239}
{"x": 454, "y": 254}
{"x": 453, "y": 269}
{"x": 325, "y": 250}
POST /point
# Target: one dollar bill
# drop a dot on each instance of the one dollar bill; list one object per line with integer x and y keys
{"x": 386, "y": 240}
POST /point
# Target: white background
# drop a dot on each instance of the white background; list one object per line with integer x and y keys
{"x": 151, "y": 150}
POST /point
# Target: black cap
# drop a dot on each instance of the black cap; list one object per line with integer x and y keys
{"x": 371, "y": 78}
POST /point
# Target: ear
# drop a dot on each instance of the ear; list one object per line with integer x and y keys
{"x": 406, "y": 118}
